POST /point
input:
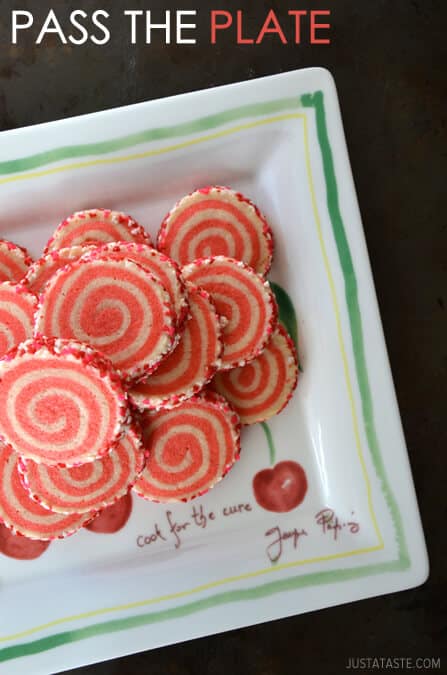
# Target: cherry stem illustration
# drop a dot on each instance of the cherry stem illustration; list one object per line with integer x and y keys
{"x": 269, "y": 437}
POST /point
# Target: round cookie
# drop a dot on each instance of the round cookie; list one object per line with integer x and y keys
{"x": 44, "y": 268}
{"x": 17, "y": 309}
{"x": 23, "y": 515}
{"x": 96, "y": 226}
{"x": 163, "y": 268}
{"x": 217, "y": 221}
{"x": 191, "y": 448}
{"x": 244, "y": 299}
{"x": 14, "y": 261}
{"x": 191, "y": 365}
{"x": 89, "y": 487}
{"x": 116, "y": 306}
{"x": 263, "y": 387}
{"x": 61, "y": 402}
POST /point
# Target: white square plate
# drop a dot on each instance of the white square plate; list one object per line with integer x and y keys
{"x": 279, "y": 140}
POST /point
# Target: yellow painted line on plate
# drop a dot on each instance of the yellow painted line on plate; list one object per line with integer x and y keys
{"x": 150, "y": 153}
{"x": 181, "y": 594}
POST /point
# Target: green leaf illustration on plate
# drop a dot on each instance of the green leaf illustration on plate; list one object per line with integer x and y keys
{"x": 287, "y": 314}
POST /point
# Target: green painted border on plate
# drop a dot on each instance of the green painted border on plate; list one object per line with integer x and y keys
{"x": 315, "y": 101}
{"x": 148, "y": 136}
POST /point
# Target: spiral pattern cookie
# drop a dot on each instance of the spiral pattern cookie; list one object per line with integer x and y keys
{"x": 244, "y": 299}
{"x": 14, "y": 261}
{"x": 163, "y": 268}
{"x": 217, "y": 221}
{"x": 61, "y": 402}
{"x": 44, "y": 268}
{"x": 89, "y": 487}
{"x": 191, "y": 365}
{"x": 263, "y": 387}
{"x": 17, "y": 309}
{"x": 23, "y": 515}
{"x": 191, "y": 448}
{"x": 116, "y": 306}
{"x": 96, "y": 226}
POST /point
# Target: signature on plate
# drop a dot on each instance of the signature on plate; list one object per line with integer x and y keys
{"x": 326, "y": 523}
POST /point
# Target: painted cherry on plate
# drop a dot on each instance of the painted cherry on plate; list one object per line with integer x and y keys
{"x": 281, "y": 488}
{"x": 19, "y": 547}
{"x": 112, "y": 518}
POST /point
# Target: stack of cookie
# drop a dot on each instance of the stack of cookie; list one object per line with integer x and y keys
{"x": 125, "y": 365}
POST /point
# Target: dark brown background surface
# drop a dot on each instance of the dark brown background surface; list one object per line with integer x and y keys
{"x": 389, "y": 61}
